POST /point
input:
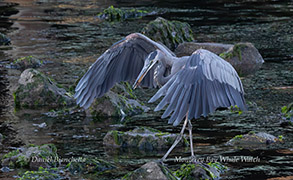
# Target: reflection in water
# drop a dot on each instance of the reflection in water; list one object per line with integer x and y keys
{"x": 69, "y": 34}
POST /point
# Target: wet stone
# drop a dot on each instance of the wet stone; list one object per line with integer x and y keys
{"x": 31, "y": 157}
{"x": 36, "y": 89}
{"x": 44, "y": 173}
{"x": 287, "y": 111}
{"x": 119, "y": 102}
{"x": 187, "y": 48}
{"x": 25, "y": 63}
{"x": 254, "y": 140}
{"x": 117, "y": 14}
{"x": 200, "y": 171}
{"x": 4, "y": 40}
{"x": 170, "y": 33}
{"x": 143, "y": 138}
{"x": 151, "y": 171}
{"x": 244, "y": 57}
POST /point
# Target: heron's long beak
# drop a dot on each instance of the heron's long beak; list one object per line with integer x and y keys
{"x": 146, "y": 68}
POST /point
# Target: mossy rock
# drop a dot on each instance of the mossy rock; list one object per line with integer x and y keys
{"x": 36, "y": 89}
{"x": 119, "y": 101}
{"x": 151, "y": 171}
{"x": 32, "y": 157}
{"x": 26, "y": 62}
{"x": 208, "y": 171}
{"x": 117, "y": 14}
{"x": 42, "y": 174}
{"x": 170, "y": 33}
{"x": 288, "y": 112}
{"x": 244, "y": 57}
{"x": 90, "y": 165}
{"x": 143, "y": 138}
{"x": 187, "y": 48}
{"x": 254, "y": 140}
{"x": 4, "y": 40}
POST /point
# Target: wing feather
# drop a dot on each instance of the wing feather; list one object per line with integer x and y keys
{"x": 204, "y": 84}
{"x": 122, "y": 62}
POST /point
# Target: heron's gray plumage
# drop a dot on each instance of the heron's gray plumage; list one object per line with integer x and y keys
{"x": 205, "y": 83}
{"x": 197, "y": 84}
{"x": 122, "y": 62}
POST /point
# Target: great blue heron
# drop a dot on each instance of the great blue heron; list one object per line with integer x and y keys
{"x": 193, "y": 86}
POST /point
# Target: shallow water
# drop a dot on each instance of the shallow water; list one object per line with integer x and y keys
{"x": 69, "y": 34}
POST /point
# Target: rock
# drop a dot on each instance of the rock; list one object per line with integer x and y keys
{"x": 119, "y": 101}
{"x": 35, "y": 89}
{"x": 43, "y": 174}
{"x": 90, "y": 166}
{"x": 10, "y": 136}
{"x": 4, "y": 40}
{"x": 41, "y": 126}
{"x": 244, "y": 57}
{"x": 25, "y": 63}
{"x": 200, "y": 171}
{"x": 287, "y": 111}
{"x": 254, "y": 140}
{"x": 32, "y": 156}
{"x": 170, "y": 33}
{"x": 150, "y": 171}
{"x": 187, "y": 48}
{"x": 143, "y": 138}
{"x": 5, "y": 169}
{"x": 1, "y": 139}
{"x": 117, "y": 14}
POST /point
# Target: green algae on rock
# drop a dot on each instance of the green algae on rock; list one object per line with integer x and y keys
{"x": 208, "y": 171}
{"x": 143, "y": 138}
{"x": 36, "y": 89}
{"x": 170, "y": 33}
{"x": 32, "y": 157}
{"x": 42, "y": 174}
{"x": 119, "y": 101}
{"x": 187, "y": 48}
{"x": 244, "y": 57}
{"x": 288, "y": 111}
{"x": 155, "y": 170}
{"x": 26, "y": 62}
{"x": 253, "y": 140}
{"x": 151, "y": 171}
{"x": 117, "y": 14}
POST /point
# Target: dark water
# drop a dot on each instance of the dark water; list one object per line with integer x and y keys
{"x": 69, "y": 34}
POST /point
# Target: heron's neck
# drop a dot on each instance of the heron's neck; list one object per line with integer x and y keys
{"x": 166, "y": 63}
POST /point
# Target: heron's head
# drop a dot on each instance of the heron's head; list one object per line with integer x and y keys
{"x": 152, "y": 59}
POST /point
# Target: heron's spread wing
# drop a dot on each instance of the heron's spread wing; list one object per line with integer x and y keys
{"x": 204, "y": 84}
{"x": 122, "y": 62}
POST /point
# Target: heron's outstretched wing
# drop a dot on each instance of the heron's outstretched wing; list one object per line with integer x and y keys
{"x": 122, "y": 62}
{"x": 204, "y": 84}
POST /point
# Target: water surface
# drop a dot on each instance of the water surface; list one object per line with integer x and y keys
{"x": 69, "y": 34}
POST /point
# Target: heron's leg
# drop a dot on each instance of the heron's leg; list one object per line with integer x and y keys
{"x": 177, "y": 140}
{"x": 190, "y": 137}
